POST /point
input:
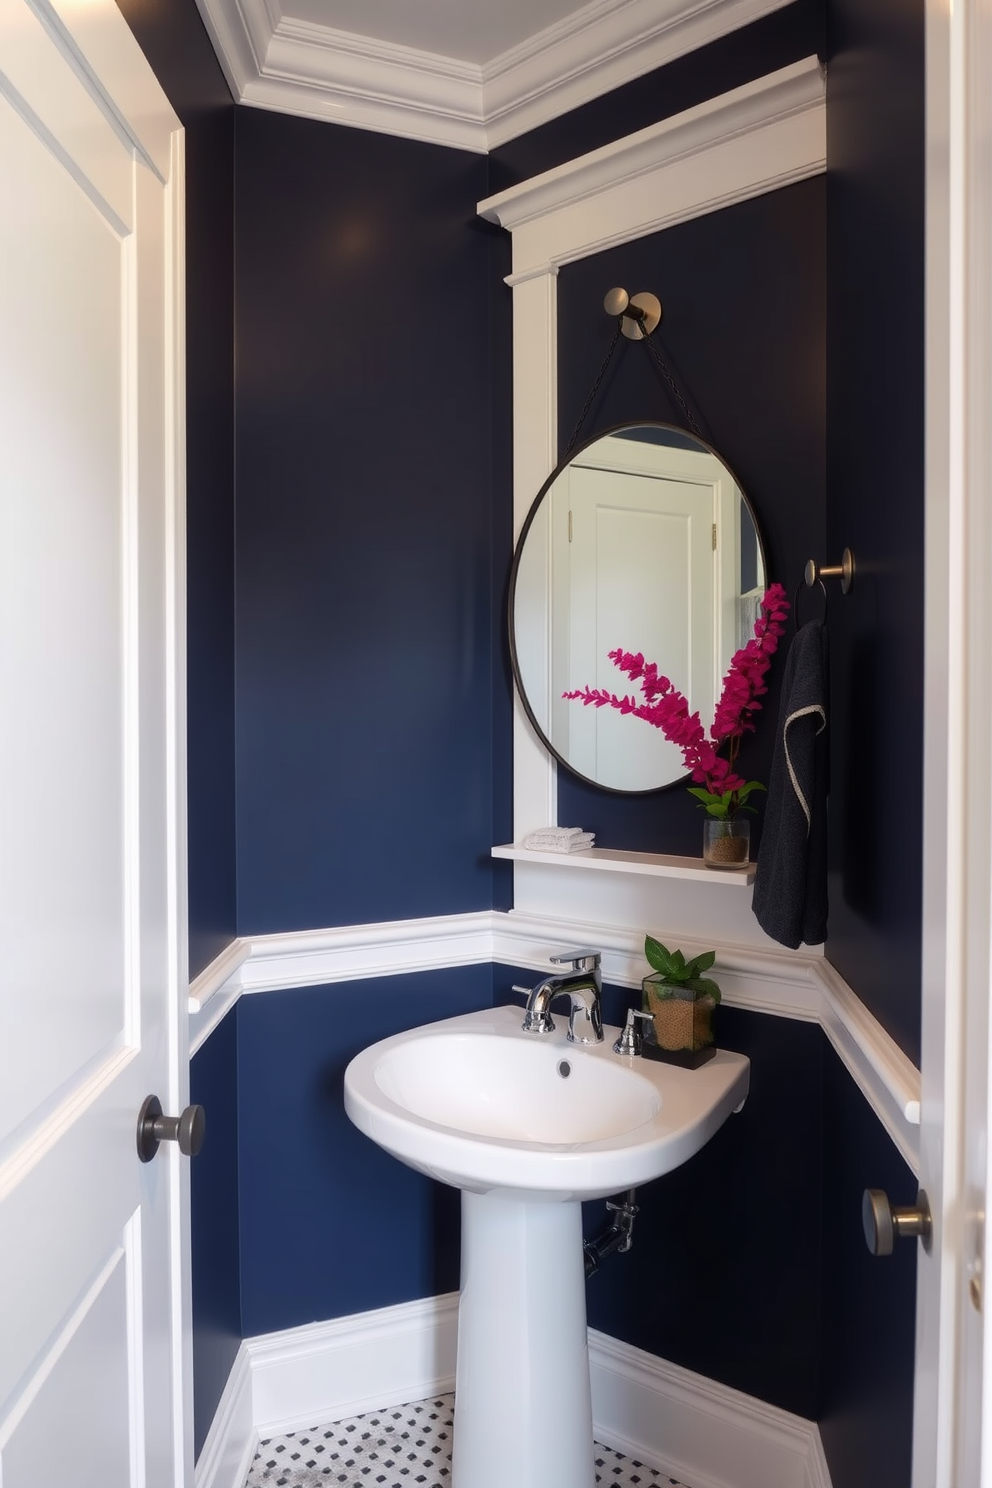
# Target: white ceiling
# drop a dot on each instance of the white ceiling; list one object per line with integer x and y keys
{"x": 474, "y": 31}
{"x": 466, "y": 73}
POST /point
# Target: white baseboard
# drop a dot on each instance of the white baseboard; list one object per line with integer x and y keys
{"x": 694, "y": 1429}
{"x": 327, "y": 1371}
{"x": 699, "y": 1431}
{"x": 227, "y": 1452}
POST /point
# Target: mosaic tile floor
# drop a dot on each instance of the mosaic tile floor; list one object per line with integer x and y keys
{"x": 397, "y": 1448}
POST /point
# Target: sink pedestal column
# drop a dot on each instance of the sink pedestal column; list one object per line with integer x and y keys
{"x": 523, "y": 1411}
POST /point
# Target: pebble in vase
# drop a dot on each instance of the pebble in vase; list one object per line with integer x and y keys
{"x": 726, "y": 841}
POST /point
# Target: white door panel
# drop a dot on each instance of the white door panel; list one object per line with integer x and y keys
{"x": 61, "y": 610}
{"x": 640, "y": 561}
{"x": 94, "y": 1292}
{"x": 83, "y": 1383}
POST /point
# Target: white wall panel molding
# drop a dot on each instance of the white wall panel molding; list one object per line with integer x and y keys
{"x": 781, "y": 983}
{"x": 702, "y": 1432}
{"x": 769, "y": 982}
{"x": 221, "y": 972}
{"x": 309, "y": 957}
{"x": 743, "y": 143}
{"x": 276, "y": 61}
{"x": 889, "y": 1080}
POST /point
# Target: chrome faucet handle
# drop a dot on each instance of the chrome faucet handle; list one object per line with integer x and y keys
{"x": 534, "y": 1022}
{"x": 579, "y": 960}
{"x": 631, "y": 1040}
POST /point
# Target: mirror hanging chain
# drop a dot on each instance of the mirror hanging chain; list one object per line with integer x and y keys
{"x": 637, "y": 317}
{"x": 669, "y": 377}
{"x": 593, "y": 391}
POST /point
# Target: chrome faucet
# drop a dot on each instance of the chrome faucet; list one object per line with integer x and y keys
{"x": 583, "y": 985}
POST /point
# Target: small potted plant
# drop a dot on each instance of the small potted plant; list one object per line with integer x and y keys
{"x": 681, "y": 1001}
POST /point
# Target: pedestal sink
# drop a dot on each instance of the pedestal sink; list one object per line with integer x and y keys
{"x": 528, "y": 1126}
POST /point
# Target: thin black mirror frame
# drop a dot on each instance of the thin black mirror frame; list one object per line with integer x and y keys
{"x": 612, "y": 790}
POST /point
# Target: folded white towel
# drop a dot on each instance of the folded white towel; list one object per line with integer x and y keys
{"x": 555, "y": 834}
{"x": 541, "y": 842}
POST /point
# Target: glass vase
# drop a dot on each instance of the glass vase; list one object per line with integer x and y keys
{"x": 681, "y": 1027}
{"x": 726, "y": 841}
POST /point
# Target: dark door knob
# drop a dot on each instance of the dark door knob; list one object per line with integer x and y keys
{"x": 188, "y": 1129}
{"x": 884, "y": 1224}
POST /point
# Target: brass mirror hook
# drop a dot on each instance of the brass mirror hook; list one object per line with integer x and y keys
{"x": 641, "y": 313}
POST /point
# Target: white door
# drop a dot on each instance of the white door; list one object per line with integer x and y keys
{"x": 952, "y": 1445}
{"x": 640, "y": 577}
{"x": 92, "y": 850}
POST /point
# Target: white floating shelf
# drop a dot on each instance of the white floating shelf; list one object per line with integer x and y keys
{"x": 613, "y": 860}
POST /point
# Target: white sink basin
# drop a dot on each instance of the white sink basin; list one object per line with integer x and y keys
{"x": 516, "y": 1120}
{"x": 481, "y": 1105}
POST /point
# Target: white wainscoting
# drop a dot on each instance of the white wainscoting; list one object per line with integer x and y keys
{"x": 782, "y": 983}
{"x": 701, "y": 1432}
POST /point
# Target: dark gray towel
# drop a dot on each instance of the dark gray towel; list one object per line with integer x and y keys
{"x": 790, "y": 889}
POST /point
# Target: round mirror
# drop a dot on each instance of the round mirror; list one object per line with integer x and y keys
{"x": 641, "y": 540}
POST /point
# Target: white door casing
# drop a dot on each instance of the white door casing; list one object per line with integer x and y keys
{"x": 94, "y": 1272}
{"x": 952, "y": 1448}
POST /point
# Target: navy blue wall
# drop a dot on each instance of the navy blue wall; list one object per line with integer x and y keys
{"x": 875, "y": 351}
{"x": 744, "y": 331}
{"x": 216, "y": 1243}
{"x": 869, "y": 1302}
{"x": 364, "y": 544}
{"x": 331, "y": 1224}
{"x": 173, "y": 39}
{"x": 373, "y": 716}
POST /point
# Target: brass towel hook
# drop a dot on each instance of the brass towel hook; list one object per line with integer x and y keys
{"x": 844, "y": 570}
{"x": 814, "y": 575}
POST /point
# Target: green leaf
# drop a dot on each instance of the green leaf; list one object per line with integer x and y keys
{"x": 658, "y": 956}
{"x": 707, "y": 798}
{"x": 701, "y": 963}
{"x": 678, "y": 963}
{"x": 704, "y": 987}
{"x": 745, "y": 790}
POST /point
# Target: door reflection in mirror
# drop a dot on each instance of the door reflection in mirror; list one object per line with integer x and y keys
{"x": 642, "y": 539}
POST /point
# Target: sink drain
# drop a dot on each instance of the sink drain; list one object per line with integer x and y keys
{"x": 564, "y": 1068}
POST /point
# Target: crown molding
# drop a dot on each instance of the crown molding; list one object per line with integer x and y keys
{"x": 274, "y": 61}
{"x": 597, "y": 49}
{"x": 754, "y": 139}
